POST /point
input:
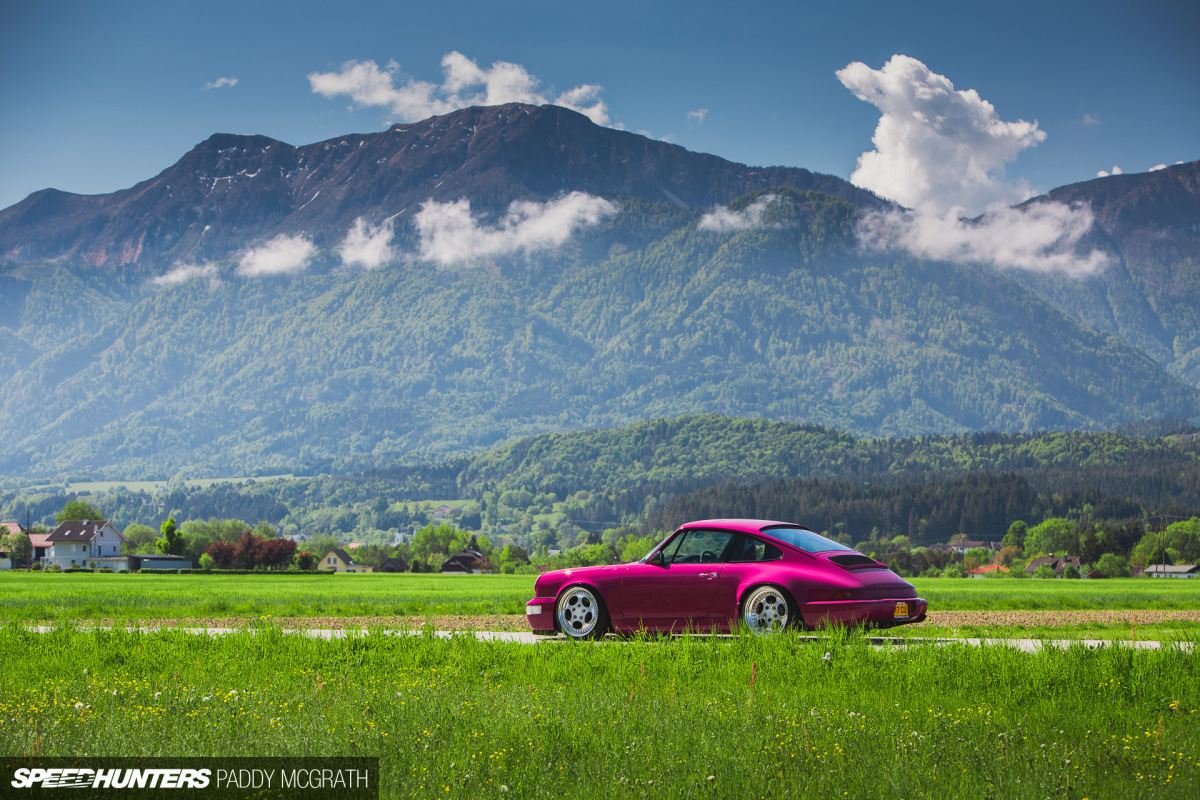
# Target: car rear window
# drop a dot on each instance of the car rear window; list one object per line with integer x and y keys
{"x": 805, "y": 540}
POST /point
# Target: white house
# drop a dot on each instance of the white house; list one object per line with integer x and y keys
{"x": 75, "y": 541}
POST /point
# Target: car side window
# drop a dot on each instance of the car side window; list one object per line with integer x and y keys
{"x": 747, "y": 549}
{"x": 702, "y": 547}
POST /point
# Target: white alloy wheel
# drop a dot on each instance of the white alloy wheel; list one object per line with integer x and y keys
{"x": 579, "y": 613}
{"x": 766, "y": 610}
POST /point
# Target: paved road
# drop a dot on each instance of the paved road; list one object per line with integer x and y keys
{"x": 525, "y": 637}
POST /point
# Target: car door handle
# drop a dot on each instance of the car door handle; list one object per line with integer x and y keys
{"x": 708, "y": 575}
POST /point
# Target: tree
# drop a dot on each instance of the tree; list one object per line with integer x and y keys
{"x": 274, "y": 553}
{"x": 76, "y": 510}
{"x": 1016, "y": 534}
{"x": 222, "y": 554}
{"x": 1055, "y": 535}
{"x": 305, "y": 560}
{"x": 1112, "y": 566}
{"x": 16, "y": 544}
{"x": 138, "y": 535}
{"x": 172, "y": 542}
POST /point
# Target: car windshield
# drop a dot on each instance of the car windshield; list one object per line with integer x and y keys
{"x": 805, "y": 540}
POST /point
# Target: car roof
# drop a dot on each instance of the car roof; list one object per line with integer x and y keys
{"x": 740, "y": 525}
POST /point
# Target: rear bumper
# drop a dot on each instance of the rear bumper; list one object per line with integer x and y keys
{"x": 539, "y": 612}
{"x": 872, "y": 613}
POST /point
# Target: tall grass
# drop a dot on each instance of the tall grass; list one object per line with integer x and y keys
{"x": 746, "y": 717}
{"x": 83, "y": 596}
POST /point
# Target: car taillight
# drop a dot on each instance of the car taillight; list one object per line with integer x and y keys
{"x": 836, "y": 594}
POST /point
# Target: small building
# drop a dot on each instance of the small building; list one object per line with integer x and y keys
{"x": 393, "y": 564}
{"x": 988, "y": 570}
{"x": 75, "y": 541}
{"x": 1172, "y": 571}
{"x": 467, "y": 561}
{"x": 338, "y": 560}
{"x": 1057, "y": 563}
{"x": 138, "y": 562}
{"x": 40, "y": 545}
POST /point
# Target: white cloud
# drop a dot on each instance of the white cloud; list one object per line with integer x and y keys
{"x": 1040, "y": 237}
{"x": 282, "y": 255}
{"x": 942, "y": 152}
{"x": 1157, "y": 167}
{"x": 219, "y": 83}
{"x": 186, "y": 272}
{"x": 697, "y": 117}
{"x": 1090, "y": 119}
{"x": 722, "y": 220}
{"x": 935, "y": 146}
{"x": 449, "y": 233}
{"x": 1104, "y": 173}
{"x": 464, "y": 84}
{"x": 367, "y": 246}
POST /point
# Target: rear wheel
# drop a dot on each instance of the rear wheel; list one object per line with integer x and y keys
{"x": 767, "y": 610}
{"x": 580, "y": 613}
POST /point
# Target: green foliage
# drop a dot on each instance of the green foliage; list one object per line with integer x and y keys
{"x": 172, "y": 541}
{"x": 1044, "y": 572}
{"x": 1111, "y": 565}
{"x": 78, "y": 510}
{"x": 1054, "y": 536}
{"x": 650, "y": 316}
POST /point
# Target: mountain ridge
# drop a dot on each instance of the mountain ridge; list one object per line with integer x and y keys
{"x": 217, "y": 199}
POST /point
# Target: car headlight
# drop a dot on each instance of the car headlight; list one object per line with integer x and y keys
{"x": 532, "y": 610}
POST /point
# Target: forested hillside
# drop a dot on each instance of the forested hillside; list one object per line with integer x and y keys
{"x": 348, "y": 370}
{"x": 225, "y": 317}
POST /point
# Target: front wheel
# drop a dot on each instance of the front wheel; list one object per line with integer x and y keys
{"x": 580, "y": 613}
{"x": 768, "y": 610}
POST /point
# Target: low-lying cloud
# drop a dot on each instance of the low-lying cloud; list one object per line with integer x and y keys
{"x": 1040, "y": 237}
{"x": 186, "y": 272}
{"x": 464, "y": 84}
{"x": 942, "y": 152}
{"x": 282, "y": 255}
{"x": 450, "y": 234}
{"x": 722, "y": 220}
{"x": 367, "y": 246}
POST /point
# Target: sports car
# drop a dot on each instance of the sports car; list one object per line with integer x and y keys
{"x": 717, "y": 574}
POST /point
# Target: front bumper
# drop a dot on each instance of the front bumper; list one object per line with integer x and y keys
{"x": 539, "y": 612}
{"x": 872, "y": 613}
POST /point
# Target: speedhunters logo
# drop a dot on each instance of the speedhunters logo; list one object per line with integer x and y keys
{"x": 81, "y": 778}
{"x": 343, "y": 778}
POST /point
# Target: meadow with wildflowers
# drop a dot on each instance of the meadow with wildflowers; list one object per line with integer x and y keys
{"x": 744, "y": 717}
{"x": 34, "y": 596}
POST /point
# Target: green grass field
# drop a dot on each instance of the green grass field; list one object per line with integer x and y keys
{"x": 85, "y": 596}
{"x": 746, "y": 717}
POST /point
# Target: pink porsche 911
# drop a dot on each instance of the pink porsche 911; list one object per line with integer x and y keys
{"x": 718, "y": 573}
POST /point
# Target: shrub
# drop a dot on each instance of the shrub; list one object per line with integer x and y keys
{"x": 1111, "y": 565}
{"x": 1044, "y": 571}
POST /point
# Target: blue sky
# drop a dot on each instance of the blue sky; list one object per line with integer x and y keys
{"x": 98, "y": 96}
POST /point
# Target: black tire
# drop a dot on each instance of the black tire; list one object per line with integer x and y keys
{"x": 768, "y": 610}
{"x": 579, "y": 613}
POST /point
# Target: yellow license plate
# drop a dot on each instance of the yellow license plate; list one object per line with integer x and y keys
{"x": 901, "y": 611}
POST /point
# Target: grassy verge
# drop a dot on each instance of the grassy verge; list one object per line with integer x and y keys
{"x": 746, "y": 718}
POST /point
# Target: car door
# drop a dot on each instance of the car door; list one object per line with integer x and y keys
{"x": 749, "y": 560}
{"x": 675, "y": 592}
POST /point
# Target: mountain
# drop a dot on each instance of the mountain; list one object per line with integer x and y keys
{"x": 1150, "y": 294}
{"x": 231, "y": 190}
{"x": 646, "y": 313}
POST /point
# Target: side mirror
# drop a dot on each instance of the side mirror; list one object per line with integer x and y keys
{"x": 657, "y": 559}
